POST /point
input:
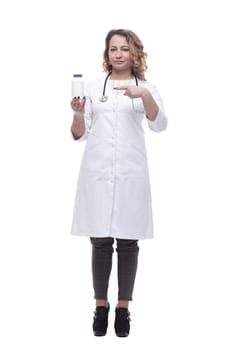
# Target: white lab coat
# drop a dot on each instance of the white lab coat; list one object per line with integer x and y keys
{"x": 113, "y": 196}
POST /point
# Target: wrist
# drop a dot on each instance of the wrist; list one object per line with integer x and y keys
{"x": 78, "y": 115}
{"x": 145, "y": 94}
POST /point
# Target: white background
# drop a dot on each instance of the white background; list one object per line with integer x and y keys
{"x": 183, "y": 292}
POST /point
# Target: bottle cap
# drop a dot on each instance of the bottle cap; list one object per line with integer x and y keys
{"x": 77, "y": 75}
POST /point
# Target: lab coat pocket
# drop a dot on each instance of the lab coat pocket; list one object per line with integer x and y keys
{"x": 96, "y": 158}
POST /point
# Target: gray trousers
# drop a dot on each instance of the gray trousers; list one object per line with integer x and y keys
{"x": 127, "y": 260}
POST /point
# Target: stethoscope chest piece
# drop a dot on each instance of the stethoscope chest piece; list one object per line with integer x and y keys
{"x": 103, "y": 98}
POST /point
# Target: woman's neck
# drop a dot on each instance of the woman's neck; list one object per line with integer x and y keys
{"x": 121, "y": 75}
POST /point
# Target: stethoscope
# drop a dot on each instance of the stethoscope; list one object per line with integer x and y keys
{"x": 104, "y": 98}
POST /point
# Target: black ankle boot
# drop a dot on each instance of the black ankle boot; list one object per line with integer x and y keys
{"x": 100, "y": 323}
{"x": 122, "y": 320}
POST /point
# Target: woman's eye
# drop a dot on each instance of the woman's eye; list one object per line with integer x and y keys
{"x": 123, "y": 49}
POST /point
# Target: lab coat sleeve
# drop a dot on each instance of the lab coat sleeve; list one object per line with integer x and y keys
{"x": 161, "y": 121}
{"x": 87, "y": 115}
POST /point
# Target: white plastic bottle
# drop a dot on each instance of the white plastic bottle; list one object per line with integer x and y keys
{"x": 77, "y": 88}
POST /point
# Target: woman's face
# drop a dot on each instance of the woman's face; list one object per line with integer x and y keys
{"x": 119, "y": 54}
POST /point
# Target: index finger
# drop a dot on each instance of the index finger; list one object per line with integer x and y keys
{"x": 120, "y": 88}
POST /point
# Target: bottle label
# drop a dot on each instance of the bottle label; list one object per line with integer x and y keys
{"x": 77, "y": 88}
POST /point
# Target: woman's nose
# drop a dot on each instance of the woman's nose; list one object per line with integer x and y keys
{"x": 118, "y": 53}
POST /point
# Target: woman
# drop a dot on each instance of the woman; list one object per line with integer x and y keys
{"x": 113, "y": 199}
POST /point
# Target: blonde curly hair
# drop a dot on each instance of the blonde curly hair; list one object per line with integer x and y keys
{"x": 136, "y": 49}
